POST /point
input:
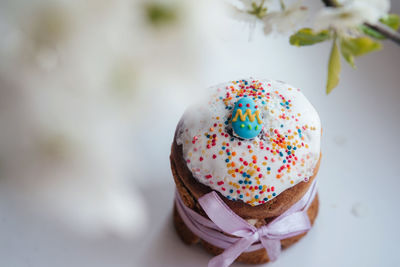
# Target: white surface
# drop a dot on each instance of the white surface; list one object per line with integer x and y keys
{"x": 358, "y": 179}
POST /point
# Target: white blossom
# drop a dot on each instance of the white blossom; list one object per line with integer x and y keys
{"x": 282, "y": 20}
{"x": 351, "y": 14}
{"x": 243, "y": 12}
{"x": 247, "y": 5}
{"x": 285, "y": 20}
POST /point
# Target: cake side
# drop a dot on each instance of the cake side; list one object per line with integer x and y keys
{"x": 191, "y": 189}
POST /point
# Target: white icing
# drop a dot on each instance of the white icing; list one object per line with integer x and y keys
{"x": 263, "y": 184}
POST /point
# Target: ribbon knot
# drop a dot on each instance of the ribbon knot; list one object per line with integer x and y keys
{"x": 246, "y": 237}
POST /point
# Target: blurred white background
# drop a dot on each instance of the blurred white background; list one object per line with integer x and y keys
{"x": 358, "y": 178}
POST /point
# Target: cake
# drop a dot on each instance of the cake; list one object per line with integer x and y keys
{"x": 251, "y": 151}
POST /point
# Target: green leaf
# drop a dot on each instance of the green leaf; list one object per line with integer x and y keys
{"x": 355, "y": 47}
{"x": 390, "y": 20}
{"x": 370, "y": 32}
{"x": 258, "y": 10}
{"x": 307, "y": 36}
{"x": 160, "y": 14}
{"x": 333, "y": 68}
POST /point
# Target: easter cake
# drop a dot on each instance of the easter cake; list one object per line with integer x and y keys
{"x": 245, "y": 163}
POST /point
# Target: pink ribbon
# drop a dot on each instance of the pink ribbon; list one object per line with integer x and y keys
{"x": 247, "y": 237}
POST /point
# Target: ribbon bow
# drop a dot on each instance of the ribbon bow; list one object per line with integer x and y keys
{"x": 247, "y": 237}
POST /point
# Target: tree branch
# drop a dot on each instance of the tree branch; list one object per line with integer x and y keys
{"x": 331, "y": 3}
{"x": 379, "y": 27}
{"x": 385, "y": 31}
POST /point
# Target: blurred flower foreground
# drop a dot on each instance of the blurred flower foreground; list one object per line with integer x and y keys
{"x": 73, "y": 75}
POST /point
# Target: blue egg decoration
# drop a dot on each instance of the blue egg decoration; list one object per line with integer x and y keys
{"x": 246, "y": 118}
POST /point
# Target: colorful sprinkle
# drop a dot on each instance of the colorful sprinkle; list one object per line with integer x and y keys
{"x": 255, "y": 170}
